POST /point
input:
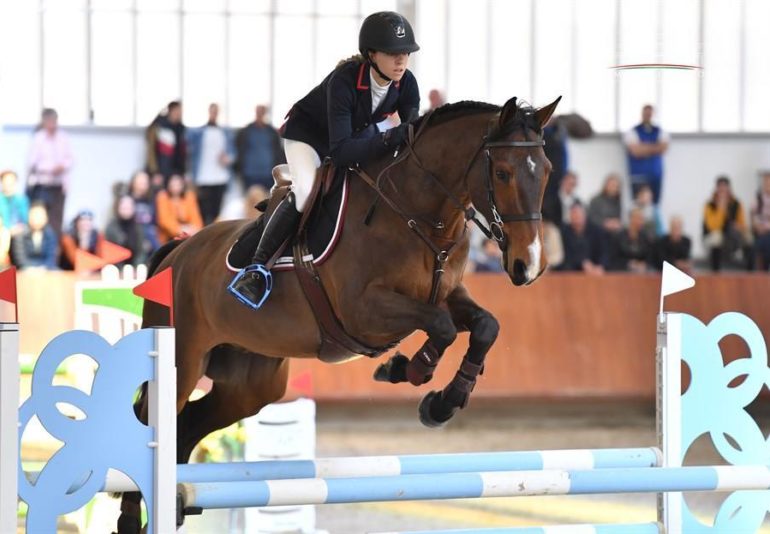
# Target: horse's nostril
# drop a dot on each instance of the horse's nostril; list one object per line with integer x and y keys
{"x": 519, "y": 270}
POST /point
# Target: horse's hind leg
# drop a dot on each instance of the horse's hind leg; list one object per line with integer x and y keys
{"x": 438, "y": 407}
{"x": 243, "y": 383}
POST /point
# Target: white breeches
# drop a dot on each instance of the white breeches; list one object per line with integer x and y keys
{"x": 303, "y": 162}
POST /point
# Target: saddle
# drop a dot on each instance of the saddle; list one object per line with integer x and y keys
{"x": 317, "y": 235}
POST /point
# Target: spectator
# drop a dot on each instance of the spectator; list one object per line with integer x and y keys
{"x": 177, "y": 209}
{"x": 81, "y": 236}
{"x": 584, "y": 248}
{"x": 567, "y": 197}
{"x": 49, "y": 163}
{"x": 633, "y": 248}
{"x": 5, "y": 245}
{"x": 644, "y": 203}
{"x": 166, "y": 147}
{"x": 144, "y": 206}
{"x": 725, "y": 231}
{"x": 37, "y": 245}
{"x": 674, "y": 247}
{"x": 259, "y": 150}
{"x": 645, "y": 145}
{"x": 604, "y": 210}
{"x": 211, "y": 153}
{"x": 490, "y": 258}
{"x": 761, "y": 223}
{"x": 14, "y": 205}
{"x": 555, "y": 137}
{"x": 435, "y": 99}
{"x": 124, "y": 230}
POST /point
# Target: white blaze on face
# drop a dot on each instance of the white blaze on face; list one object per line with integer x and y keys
{"x": 531, "y": 165}
{"x": 535, "y": 249}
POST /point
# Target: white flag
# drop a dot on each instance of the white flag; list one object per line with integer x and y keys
{"x": 674, "y": 280}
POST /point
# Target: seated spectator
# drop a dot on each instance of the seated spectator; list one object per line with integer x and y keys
{"x": 674, "y": 247}
{"x": 14, "y": 205}
{"x": 725, "y": 232}
{"x": 643, "y": 201}
{"x": 81, "y": 236}
{"x": 5, "y": 245}
{"x": 604, "y": 210}
{"x": 584, "y": 248}
{"x": 140, "y": 190}
{"x": 123, "y": 230}
{"x": 632, "y": 250}
{"x": 567, "y": 196}
{"x": 760, "y": 222}
{"x": 177, "y": 209}
{"x": 37, "y": 245}
{"x": 490, "y": 258}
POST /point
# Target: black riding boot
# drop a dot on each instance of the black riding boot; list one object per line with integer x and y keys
{"x": 253, "y": 284}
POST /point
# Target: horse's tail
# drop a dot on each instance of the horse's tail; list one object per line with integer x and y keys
{"x": 159, "y": 255}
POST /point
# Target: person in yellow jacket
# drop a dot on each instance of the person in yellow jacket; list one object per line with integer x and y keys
{"x": 725, "y": 229}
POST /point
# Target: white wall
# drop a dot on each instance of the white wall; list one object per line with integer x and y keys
{"x": 106, "y": 155}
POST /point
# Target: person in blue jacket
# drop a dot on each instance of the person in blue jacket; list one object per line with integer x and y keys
{"x": 338, "y": 119}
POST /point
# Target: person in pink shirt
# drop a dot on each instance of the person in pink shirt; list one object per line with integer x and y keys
{"x": 50, "y": 160}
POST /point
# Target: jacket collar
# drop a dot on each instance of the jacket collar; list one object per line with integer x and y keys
{"x": 362, "y": 80}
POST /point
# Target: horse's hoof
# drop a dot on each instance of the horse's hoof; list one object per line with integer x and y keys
{"x": 128, "y": 524}
{"x": 433, "y": 411}
{"x": 393, "y": 371}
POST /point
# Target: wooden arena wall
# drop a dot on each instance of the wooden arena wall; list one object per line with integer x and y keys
{"x": 568, "y": 336}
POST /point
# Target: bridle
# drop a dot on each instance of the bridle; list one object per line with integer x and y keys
{"x": 494, "y": 229}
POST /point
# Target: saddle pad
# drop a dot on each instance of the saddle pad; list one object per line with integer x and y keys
{"x": 324, "y": 227}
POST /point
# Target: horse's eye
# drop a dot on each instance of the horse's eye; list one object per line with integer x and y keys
{"x": 502, "y": 175}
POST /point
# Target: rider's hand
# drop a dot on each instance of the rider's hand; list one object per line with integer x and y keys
{"x": 397, "y": 136}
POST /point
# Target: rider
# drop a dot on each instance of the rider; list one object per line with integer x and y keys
{"x": 338, "y": 119}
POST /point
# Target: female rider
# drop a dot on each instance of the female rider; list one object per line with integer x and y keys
{"x": 338, "y": 118}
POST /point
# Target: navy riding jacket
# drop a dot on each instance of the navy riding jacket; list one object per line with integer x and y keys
{"x": 336, "y": 117}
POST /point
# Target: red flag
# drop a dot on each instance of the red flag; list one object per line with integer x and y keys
{"x": 159, "y": 289}
{"x": 85, "y": 261}
{"x": 303, "y": 383}
{"x": 112, "y": 253}
{"x": 8, "y": 288}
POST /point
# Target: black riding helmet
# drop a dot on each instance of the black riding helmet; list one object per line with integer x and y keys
{"x": 386, "y": 31}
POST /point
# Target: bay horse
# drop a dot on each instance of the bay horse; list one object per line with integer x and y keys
{"x": 460, "y": 158}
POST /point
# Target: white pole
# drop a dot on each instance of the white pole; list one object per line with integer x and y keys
{"x": 162, "y": 417}
{"x": 9, "y": 424}
{"x": 669, "y": 413}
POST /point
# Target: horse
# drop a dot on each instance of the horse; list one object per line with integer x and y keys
{"x": 391, "y": 274}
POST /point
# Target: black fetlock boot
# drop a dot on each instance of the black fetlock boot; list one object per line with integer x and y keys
{"x": 252, "y": 285}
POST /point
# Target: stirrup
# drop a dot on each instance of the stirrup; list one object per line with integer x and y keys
{"x": 255, "y": 268}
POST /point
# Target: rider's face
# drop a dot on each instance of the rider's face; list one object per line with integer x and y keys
{"x": 392, "y": 65}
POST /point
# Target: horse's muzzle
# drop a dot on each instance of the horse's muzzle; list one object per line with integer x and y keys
{"x": 519, "y": 275}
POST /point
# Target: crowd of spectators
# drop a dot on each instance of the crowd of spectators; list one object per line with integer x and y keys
{"x": 178, "y": 190}
{"x": 181, "y": 185}
{"x": 603, "y": 235}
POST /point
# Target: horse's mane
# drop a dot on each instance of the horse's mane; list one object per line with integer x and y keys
{"x": 522, "y": 119}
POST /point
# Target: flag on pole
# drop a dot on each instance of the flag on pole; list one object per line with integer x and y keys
{"x": 159, "y": 289}
{"x": 673, "y": 281}
{"x": 8, "y": 288}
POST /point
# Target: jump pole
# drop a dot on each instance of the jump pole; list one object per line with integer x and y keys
{"x": 9, "y": 422}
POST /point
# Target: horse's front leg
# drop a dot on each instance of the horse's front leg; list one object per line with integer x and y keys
{"x": 399, "y": 313}
{"x": 439, "y": 406}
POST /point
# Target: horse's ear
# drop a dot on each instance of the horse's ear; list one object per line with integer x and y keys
{"x": 509, "y": 110}
{"x": 544, "y": 114}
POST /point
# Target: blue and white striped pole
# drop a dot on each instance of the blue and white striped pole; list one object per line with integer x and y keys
{"x": 420, "y": 464}
{"x": 614, "y": 528}
{"x": 473, "y": 485}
